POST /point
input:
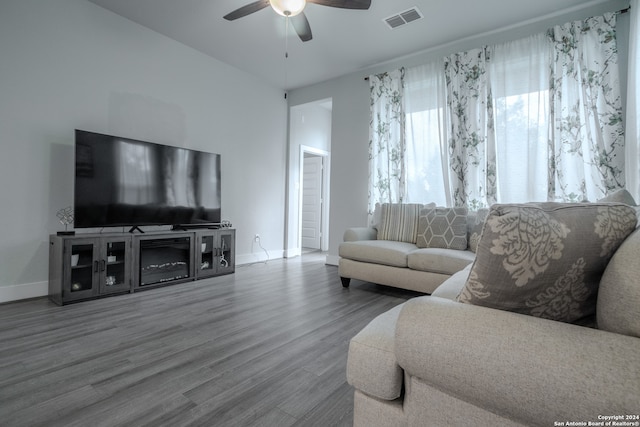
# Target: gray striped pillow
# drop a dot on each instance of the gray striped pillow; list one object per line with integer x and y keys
{"x": 399, "y": 221}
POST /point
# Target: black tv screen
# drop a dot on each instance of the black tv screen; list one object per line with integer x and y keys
{"x": 125, "y": 182}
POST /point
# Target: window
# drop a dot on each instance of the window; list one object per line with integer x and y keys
{"x": 536, "y": 119}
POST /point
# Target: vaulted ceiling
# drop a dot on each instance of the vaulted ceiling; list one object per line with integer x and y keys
{"x": 343, "y": 40}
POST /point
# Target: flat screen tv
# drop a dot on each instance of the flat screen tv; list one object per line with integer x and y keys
{"x": 125, "y": 182}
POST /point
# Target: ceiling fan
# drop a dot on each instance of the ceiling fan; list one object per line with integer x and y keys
{"x": 294, "y": 9}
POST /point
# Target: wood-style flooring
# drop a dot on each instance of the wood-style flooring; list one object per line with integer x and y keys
{"x": 266, "y": 346}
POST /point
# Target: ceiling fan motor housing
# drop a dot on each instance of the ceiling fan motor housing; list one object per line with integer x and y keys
{"x": 294, "y": 8}
{"x": 288, "y": 7}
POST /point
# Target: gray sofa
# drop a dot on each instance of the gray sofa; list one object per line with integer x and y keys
{"x": 403, "y": 264}
{"x": 435, "y": 361}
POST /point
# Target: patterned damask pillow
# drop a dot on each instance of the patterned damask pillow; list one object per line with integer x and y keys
{"x": 442, "y": 228}
{"x": 399, "y": 222}
{"x": 546, "y": 260}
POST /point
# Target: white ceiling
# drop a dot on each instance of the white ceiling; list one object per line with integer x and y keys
{"x": 344, "y": 41}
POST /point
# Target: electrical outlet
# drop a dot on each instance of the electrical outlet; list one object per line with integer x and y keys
{"x": 256, "y": 237}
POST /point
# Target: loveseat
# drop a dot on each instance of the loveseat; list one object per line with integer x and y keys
{"x": 570, "y": 358}
{"x": 410, "y": 246}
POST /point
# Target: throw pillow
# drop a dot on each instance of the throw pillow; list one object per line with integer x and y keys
{"x": 376, "y": 217}
{"x": 475, "y": 222}
{"x": 546, "y": 259}
{"x": 442, "y": 228}
{"x": 399, "y": 222}
{"x": 620, "y": 196}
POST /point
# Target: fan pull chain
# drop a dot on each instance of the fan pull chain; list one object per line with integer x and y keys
{"x": 286, "y": 53}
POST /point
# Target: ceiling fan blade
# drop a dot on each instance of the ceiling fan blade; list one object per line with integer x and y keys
{"x": 301, "y": 25}
{"x": 247, "y": 10}
{"x": 344, "y": 4}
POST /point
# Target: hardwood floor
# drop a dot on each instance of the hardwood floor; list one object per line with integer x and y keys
{"x": 265, "y": 346}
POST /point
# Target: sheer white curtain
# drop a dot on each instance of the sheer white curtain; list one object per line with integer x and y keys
{"x": 519, "y": 74}
{"x": 632, "y": 154}
{"x": 426, "y": 135}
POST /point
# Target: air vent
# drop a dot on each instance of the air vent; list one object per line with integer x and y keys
{"x": 403, "y": 18}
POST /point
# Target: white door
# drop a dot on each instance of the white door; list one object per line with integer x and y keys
{"x": 311, "y": 202}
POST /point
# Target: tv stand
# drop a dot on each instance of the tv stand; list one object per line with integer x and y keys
{"x": 134, "y": 228}
{"x": 94, "y": 265}
{"x": 203, "y": 226}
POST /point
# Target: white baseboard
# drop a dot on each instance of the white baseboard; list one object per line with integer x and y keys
{"x": 23, "y": 291}
{"x": 292, "y": 253}
{"x": 332, "y": 260}
{"x": 255, "y": 257}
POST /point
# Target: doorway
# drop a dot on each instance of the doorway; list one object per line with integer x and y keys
{"x": 311, "y": 218}
{"x": 308, "y": 178}
{"x": 313, "y": 209}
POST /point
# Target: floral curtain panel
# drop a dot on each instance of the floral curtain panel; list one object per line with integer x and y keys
{"x": 472, "y": 155}
{"x": 387, "y": 182}
{"x": 588, "y": 133}
{"x": 538, "y": 119}
{"x": 632, "y": 144}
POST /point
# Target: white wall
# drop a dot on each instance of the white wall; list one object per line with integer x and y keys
{"x": 350, "y": 123}
{"x": 70, "y": 64}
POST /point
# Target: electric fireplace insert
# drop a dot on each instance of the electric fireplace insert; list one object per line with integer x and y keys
{"x": 165, "y": 260}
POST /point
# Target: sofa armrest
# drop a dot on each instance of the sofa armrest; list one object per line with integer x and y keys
{"x": 353, "y": 234}
{"x": 530, "y": 370}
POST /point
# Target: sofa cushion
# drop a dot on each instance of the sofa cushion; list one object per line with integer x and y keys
{"x": 371, "y": 364}
{"x": 546, "y": 259}
{"x": 354, "y": 234}
{"x": 475, "y": 221}
{"x": 451, "y": 287}
{"x": 440, "y": 227}
{"x": 399, "y": 221}
{"x": 386, "y": 252}
{"x": 619, "y": 292}
{"x": 437, "y": 260}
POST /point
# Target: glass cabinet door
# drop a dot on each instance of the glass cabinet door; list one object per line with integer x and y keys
{"x": 214, "y": 252}
{"x": 114, "y": 268}
{"x": 207, "y": 257}
{"x": 82, "y": 265}
{"x": 226, "y": 263}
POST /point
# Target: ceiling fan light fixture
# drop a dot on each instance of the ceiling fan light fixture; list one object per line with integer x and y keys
{"x": 288, "y": 7}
